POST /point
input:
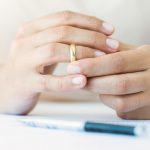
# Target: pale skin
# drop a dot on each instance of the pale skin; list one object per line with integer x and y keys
{"x": 45, "y": 42}
{"x": 121, "y": 78}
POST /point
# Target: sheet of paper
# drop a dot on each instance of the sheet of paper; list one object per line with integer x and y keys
{"x": 16, "y": 136}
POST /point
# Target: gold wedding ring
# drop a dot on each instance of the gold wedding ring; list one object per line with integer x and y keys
{"x": 72, "y": 52}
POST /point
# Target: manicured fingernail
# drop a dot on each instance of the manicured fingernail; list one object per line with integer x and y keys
{"x": 77, "y": 80}
{"x": 113, "y": 44}
{"x": 72, "y": 69}
{"x": 107, "y": 28}
{"x": 99, "y": 53}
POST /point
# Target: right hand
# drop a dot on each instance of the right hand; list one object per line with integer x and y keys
{"x": 45, "y": 42}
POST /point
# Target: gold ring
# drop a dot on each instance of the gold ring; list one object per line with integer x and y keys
{"x": 72, "y": 52}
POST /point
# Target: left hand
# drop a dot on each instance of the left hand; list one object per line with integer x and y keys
{"x": 122, "y": 79}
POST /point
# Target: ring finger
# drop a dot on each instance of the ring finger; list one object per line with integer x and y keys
{"x": 56, "y": 52}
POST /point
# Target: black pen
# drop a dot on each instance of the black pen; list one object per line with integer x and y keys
{"x": 86, "y": 126}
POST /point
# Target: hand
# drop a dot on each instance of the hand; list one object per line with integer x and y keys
{"x": 44, "y": 42}
{"x": 122, "y": 79}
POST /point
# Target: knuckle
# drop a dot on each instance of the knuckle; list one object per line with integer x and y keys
{"x": 122, "y": 86}
{"x": 64, "y": 33}
{"x": 96, "y": 38}
{"x": 24, "y": 28}
{"x": 85, "y": 67}
{"x": 118, "y": 63}
{"x": 80, "y": 52}
{"x": 66, "y": 15}
{"x": 44, "y": 84}
{"x": 47, "y": 53}
{"x": 51, "y": 50}
{"x": 60, "y": 85}
{"x": 95, "y": 21}
{"x": 18, "y": 43}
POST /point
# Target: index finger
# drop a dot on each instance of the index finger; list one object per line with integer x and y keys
{"x": 66, "y": 18}
{"x": 116, "y": 63}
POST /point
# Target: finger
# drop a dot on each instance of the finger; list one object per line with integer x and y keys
{"x": 47, "y": 83}
{"x": 141, "y": 113}
{"x": 57, "y": 52}
{"x": 126, "y": 103}
{"x": 120, "y": 84}
{"x": 68, "y": 35}
{"x": 66, "y": 18}
{"x": 120, "y": 62}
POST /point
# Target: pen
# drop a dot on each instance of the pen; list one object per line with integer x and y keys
{"x": 86, "y": 126}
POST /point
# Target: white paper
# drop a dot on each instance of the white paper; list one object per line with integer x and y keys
{"x": 16, "y": 136}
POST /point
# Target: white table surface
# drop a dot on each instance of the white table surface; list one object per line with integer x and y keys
{"x": 14, "y": 137}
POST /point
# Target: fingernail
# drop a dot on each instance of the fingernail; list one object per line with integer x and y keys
{"x": 113, "y": 44}
{"x": 72, "y": 69}
{"x": 107, "y": 28}
{"x": 77, "y": 80}
{"x": 99, "y": 53}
